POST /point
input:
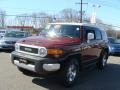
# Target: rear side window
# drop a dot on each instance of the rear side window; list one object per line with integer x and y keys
{"x": 98, "y": 34}
{"x": 104, "y": 35}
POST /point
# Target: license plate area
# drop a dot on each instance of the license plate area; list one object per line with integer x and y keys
{"x": 21, "y": 60}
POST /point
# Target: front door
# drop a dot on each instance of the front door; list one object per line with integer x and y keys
{"x": 89, "y": 48}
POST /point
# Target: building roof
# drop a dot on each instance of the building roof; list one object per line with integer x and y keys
{"x": 25, "y": 27}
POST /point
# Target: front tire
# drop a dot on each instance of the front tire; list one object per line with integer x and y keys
{"x": 70, "y": 71}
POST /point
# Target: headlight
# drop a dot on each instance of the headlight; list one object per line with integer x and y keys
{"x": 16, "y": 47}
{"x": 43, "y": 52}
{"x": 112, "y": 48}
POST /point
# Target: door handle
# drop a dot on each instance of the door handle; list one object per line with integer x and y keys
{"x": 96, "y": 43}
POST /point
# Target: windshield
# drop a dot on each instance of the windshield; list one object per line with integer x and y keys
{"x": 114, "y": 41}
{"x": 61, "y": 31}
{"x": 16, "y": 34}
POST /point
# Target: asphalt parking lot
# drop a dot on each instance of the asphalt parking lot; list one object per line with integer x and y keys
{"x": 90, "y": 79}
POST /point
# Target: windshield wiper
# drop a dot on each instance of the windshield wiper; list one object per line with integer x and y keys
{"x": 66, "y": 36}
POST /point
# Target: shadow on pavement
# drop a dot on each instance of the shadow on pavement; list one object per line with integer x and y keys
{"x": 116, "y": 55}
{"x": 31, "y": 74}
{"x": 108, "y": 79}
{"x": 6, "y": 51}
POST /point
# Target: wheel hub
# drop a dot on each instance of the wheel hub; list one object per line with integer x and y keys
{"x": 104, "y": 60}
{"x": 71, "y": 73}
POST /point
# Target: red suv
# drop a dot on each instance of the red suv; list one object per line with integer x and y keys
{"x": 65, "y": 48}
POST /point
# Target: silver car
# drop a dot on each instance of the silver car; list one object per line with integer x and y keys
{"x": 2, "y": 32}
{"x": 9, "y": 39}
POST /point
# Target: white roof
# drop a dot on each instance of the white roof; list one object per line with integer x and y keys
{"x": 67, "y": 23}
{"x": 73, "y": 23}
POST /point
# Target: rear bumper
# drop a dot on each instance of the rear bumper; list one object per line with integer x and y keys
{"x": 35, "y": 63}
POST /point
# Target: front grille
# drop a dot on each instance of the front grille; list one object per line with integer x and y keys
{"x": 117, "y": 47}
{"x": 29, "y": 49}
{"x": 10, "y": 42}
{"x": 116, "y": 50}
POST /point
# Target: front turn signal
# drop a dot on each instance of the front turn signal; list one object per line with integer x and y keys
{"x": 55, "y": 51}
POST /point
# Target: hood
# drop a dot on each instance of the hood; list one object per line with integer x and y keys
{"x": 49, "y": 42}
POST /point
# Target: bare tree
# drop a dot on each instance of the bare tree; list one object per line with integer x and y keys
{"x": 23, "y": 19}
{"x": 34, "y": 19}
{"x": 70, "y": 15}
{"x": 41, "y": 19}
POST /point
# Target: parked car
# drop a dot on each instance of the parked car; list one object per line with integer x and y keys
{"x": 64, "y": 48}
{"x": 10, "y": 37}
{"x": 3, "y": 31}
{"x": 114, "y": 46}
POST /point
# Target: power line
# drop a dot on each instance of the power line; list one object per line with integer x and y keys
{"x": 117, "y": 26}
{"x": 24, "y": 16}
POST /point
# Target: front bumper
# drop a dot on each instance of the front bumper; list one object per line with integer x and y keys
{"x": 6, "y": 46}
{"x": 115, "y": 51}
{"x": 35, "y": 63}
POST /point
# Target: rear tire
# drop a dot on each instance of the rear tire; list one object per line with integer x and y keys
{"x": 102, "y": 60}
{"x": 70, "y": 72}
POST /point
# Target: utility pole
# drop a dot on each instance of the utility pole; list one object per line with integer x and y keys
{"x": 81, "y": 10}
{"x": 2, "y": 19}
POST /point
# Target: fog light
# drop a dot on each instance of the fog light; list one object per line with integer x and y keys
{"x": 51, "y": 67}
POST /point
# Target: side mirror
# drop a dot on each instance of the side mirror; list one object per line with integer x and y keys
{"x": 90, "y": 36}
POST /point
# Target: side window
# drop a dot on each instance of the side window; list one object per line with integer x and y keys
{"x": 98, "y": 34}
{"x": 88, "y": 30}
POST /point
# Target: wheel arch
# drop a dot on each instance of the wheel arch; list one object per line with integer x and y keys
{"x": 77, "y": 57}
